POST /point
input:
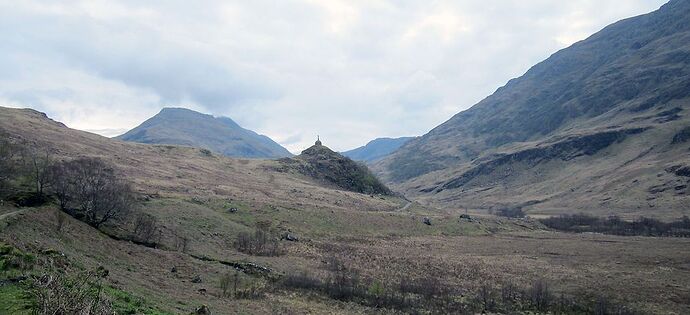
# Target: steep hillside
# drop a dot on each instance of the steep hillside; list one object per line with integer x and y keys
{"x": 325, "y": 165}
{"x": 219, "y": 134}
{"x": 591, "y": 128}
{"x": 376, "y": 149}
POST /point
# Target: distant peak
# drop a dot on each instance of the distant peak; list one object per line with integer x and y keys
{"x": 175, "y": 109}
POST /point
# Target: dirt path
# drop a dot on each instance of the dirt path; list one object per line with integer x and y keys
{"x": 405, "y": 207}
{"x": 7, "y": 215}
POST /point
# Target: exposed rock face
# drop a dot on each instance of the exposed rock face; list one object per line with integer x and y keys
{"x": 564, "y": 150}
{"x": 682, "y": 136}
{"x": 325, "y": 165}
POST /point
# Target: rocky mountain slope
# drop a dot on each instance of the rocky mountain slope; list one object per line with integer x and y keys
{"x": 376, "y": 149}
{"x": 181, "y": 126}
{"x": 325, "y": 165}
{"x": 597, "y": 127}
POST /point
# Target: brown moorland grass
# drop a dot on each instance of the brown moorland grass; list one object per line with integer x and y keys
{"x": 190, "y": 194}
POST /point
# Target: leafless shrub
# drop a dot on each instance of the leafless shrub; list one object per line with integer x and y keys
{"x": 146, "y": 229}
{"x": 57, "y": 293}
{"x": 486, "y": 296}
{"x": 89, "y": 188}
{"x": 511, "y": 212}
{"x": 260, "y": 243}
{"x": 229, "y": 281}
{"x": 428, "y": 286}
{"x": 180, "y": 242}
{"x": 540, "y": 295}
{"x": 302, "y": 280}
{"x": 344, "y": 285}
{"x": 253, "y": 291}
{"x": 60, "y": 220}
{"x": 509, "y": 293}
{"x": 333, "y": 263}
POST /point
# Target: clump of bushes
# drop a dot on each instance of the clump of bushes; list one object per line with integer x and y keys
{"x": 615, "y": 225}
{"x": 232, "y": 285}
{"x": 87, "y": 188}
{"x": 511, "y": 212}
{"x": 429, "y": 294}
{"x": 259, "y": 243}
{"x": 12, "y": 259}
{"x": 60, "y": 293}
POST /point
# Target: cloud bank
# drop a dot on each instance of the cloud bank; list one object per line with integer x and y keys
{"x": 349, "y": 71}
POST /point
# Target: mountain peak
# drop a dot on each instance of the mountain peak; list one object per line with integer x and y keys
{"x": 182, "y": 126}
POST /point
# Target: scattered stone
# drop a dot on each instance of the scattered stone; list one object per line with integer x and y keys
{"x": 202, "y": 291}
{"x": 174, "y": 269}
{"x": 289, "y": 237}
{"x": 427, "y": 221}
{"x": 232, "y": 210}
{"x": 202, "y": 310}
{"x": 196, "y": 279}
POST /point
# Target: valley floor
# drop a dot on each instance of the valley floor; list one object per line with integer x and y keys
{"x": 651, "y": 275}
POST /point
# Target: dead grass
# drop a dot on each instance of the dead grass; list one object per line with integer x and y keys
{"x": 190, "y": 194}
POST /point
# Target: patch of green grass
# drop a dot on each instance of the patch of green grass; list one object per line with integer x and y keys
{"x": 126, "y": 303}
{"x": 14, "y": 262}
{"x": 14, "y": 300}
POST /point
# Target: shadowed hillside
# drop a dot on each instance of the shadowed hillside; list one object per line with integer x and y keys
{"x": 591, "y": 128}
{"x": 376, "y": 149}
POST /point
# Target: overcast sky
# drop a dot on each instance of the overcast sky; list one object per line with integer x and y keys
{"x": 348, "y": 70}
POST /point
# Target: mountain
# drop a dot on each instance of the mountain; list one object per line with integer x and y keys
{"x": 376, "y": 149}
{"x": 332, "y": 168}
{"x": 591, "y": 128}
{"x": 180, "y": 126}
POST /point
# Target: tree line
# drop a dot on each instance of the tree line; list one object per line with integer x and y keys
{"x": 642, "y": 226}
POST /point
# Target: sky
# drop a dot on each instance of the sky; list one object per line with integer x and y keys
{"x": 347, "y": 70}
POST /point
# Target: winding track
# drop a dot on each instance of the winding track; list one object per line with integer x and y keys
{"x": 7, "y": 215}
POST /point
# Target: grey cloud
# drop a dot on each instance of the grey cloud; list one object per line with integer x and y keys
{"x": 347, "y": 70}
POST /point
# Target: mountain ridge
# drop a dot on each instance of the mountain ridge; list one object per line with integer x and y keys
{"x": 181, "y": 126}
{"x": 376, "y": 149}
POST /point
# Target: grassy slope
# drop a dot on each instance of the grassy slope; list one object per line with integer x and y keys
{"x": 632, "y": 74}
{"x": 191, "y": 193}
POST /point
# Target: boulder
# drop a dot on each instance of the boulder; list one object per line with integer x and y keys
{"x": 289, "y": 237}
{"x": 426, "y": 221}
{"x": 202, "y": 310}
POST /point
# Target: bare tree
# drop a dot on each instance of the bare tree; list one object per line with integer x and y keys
{"x": 40, "y": 164}
{"x": 89, "y": 187}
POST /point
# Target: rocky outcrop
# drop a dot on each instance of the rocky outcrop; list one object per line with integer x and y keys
{"x": 682, "y": 136}
{"x": 565, "y": 150}
{"x": 329, "y": 167}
